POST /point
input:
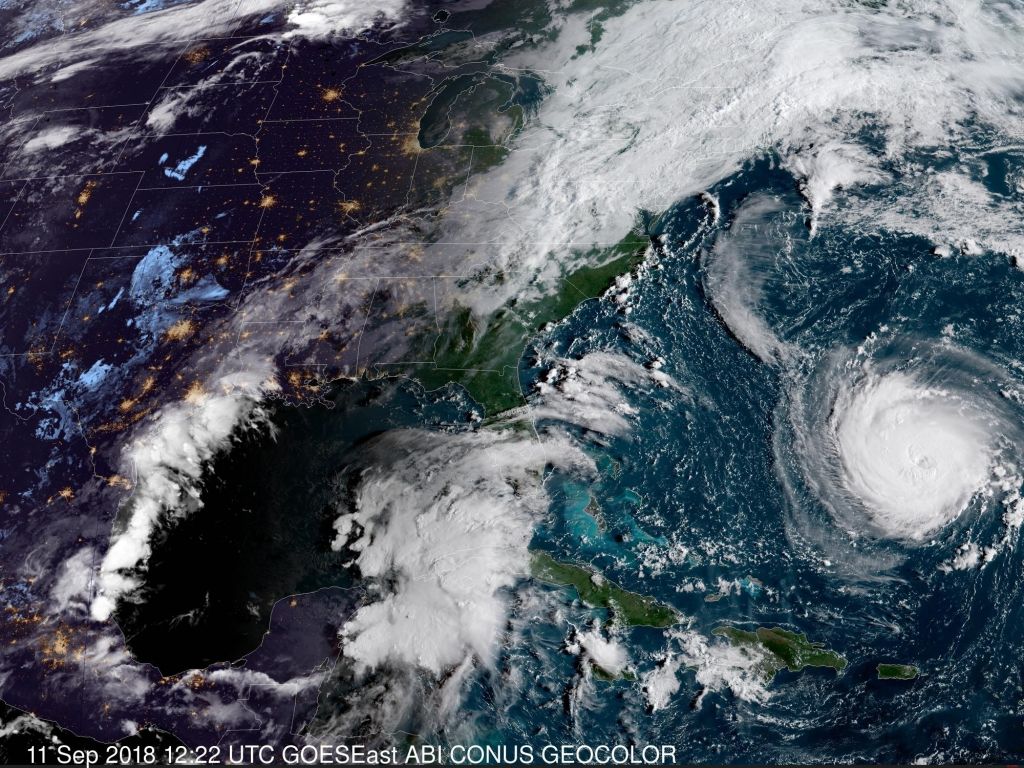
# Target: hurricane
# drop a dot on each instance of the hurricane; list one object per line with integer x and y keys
{"x": 900, "y": 440}
{"x": 914, "y": 455}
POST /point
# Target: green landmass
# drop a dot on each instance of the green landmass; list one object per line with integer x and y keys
{"x": 897, "y": 672}
{"x": 601, "y": 11}
{"x": 486, "y": 151}
{"x": 593, "y": 509}
{"x": 602, "y": 674}
{"x": 785, "y": 649}
{"x": 598, "y": 592}
{"x": 484, "y": 356}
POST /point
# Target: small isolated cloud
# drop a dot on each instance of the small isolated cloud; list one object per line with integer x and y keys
{"x": 52, "y": 138}
{"x": 323, "y": 18}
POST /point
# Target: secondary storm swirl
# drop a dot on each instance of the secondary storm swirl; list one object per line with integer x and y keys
{"x": 898, "y": 441}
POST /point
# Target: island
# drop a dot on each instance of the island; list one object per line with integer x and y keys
{"x": 603, "y": 675}
{"x": 783, "y": 649}
{"x": 889, "y": 671}
{"x": 598, "y": 592}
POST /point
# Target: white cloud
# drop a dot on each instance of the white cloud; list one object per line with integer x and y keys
{"x": 322, "y": 18}
{"x": 662, "y": 682}
{"x": 606, "y": 653}
{"x": 914, "y": 454}
{"x": 167, "y": 460}
{"x": 75, "y": 580}
{"x": 52, "y": 138}
{"x": 634, "y": 125}
{"x": 65, "y": 73}
{"x": 951, "y": 208}
{"x": 588, "y": 392}
{"x": 162, "y": 116}
{"x": 716, "y": 663}
{"x": 735, "y": 274}
{"x": 834, "y": 165}
{"x": 110, "y": 670}
{"x": 443, "y": 522}
{"x": 173, "y": 26}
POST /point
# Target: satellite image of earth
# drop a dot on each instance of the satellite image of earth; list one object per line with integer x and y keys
{"x": 511, "y": 381}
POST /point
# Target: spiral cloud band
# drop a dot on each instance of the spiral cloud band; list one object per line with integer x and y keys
{"x": 912, "y": 454}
